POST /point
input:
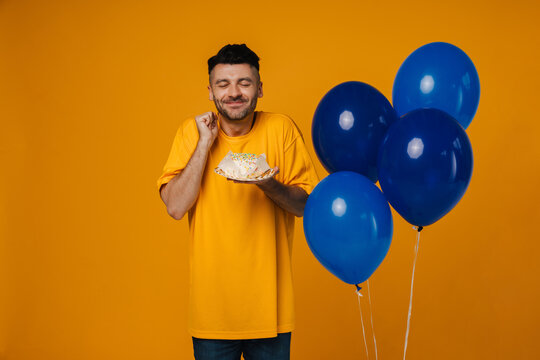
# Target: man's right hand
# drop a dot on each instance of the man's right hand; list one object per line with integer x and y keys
{"x": 208, "y": 128}
{"x": 182, "y": 191}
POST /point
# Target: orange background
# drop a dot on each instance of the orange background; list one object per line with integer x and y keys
{"x": 91, "y": 94}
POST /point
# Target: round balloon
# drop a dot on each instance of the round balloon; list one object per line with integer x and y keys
{"x": 348, "y": 226}
{"x": 348, "y": 126}
{"x": 425, "y": 165}
{"x": 441, "y": 76}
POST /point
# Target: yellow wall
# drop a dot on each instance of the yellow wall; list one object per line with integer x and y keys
{"x": 91, "y": 94}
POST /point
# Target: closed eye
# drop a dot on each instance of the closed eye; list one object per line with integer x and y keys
{"x": 222, "y": 83}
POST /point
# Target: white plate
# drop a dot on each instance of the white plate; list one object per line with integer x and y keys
{"x": 265, "y": 175}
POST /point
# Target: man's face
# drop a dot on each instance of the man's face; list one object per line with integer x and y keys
{"x": 235, "y": 89}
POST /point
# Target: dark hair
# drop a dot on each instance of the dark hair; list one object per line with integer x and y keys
{"x": 234, "y": 54}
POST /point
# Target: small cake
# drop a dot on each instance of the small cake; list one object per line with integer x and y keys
{"x": 244, "y": 166}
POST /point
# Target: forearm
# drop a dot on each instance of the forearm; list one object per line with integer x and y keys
{"x": 182, "y": 191}
{"x": 289, "y": 198}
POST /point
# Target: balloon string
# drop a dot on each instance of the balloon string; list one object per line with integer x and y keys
{"x": 412, "y": 283}
{"x": 371, "y": 315}
{"x": 362, "y": 319}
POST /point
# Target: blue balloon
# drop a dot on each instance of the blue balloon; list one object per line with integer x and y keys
{"x": 425, "y": 165}
{"x": 440, "y": 76}
{"x": 348, "y": 127}
{"x": 348, "y": 226}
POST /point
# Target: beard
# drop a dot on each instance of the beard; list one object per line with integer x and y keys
{"x": 236, "y": 114}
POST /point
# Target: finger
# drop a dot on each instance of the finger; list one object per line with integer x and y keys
{"x": 205, "y": 117}
{"x": 201, "y": 119}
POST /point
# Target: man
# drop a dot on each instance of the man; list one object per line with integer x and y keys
{"x": 241, "y": 298}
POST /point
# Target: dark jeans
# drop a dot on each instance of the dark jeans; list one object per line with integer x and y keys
{"x": 277, "y": 348}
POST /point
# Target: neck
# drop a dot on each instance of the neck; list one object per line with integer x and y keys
{"x": 236, "y": 127}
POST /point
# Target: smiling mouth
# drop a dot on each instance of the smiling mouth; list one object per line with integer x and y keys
{"x": 235, "y": 103}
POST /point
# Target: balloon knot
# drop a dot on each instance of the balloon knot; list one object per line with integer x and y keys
{"x": 418, "y": 228}
{"x": 358, "y": 288}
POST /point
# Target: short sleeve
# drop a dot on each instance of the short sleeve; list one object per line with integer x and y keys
{"x": 298, "y": 168}
{"x": 182, "y": 149}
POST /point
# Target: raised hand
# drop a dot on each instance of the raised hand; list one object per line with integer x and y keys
{"x": 208, "y": 128}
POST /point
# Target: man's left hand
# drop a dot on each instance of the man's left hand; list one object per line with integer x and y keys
{"x": 289, "y": 198}
{"x": 260, "y": 183}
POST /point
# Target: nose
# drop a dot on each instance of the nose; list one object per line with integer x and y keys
{"x": 234, "y": 91}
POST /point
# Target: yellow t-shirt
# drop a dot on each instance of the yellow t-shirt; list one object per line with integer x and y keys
{"x": 240, "y": 240}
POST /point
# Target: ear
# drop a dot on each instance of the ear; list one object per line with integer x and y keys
{"x": 260, "y": 91}
{"x": 210, "y": 93}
